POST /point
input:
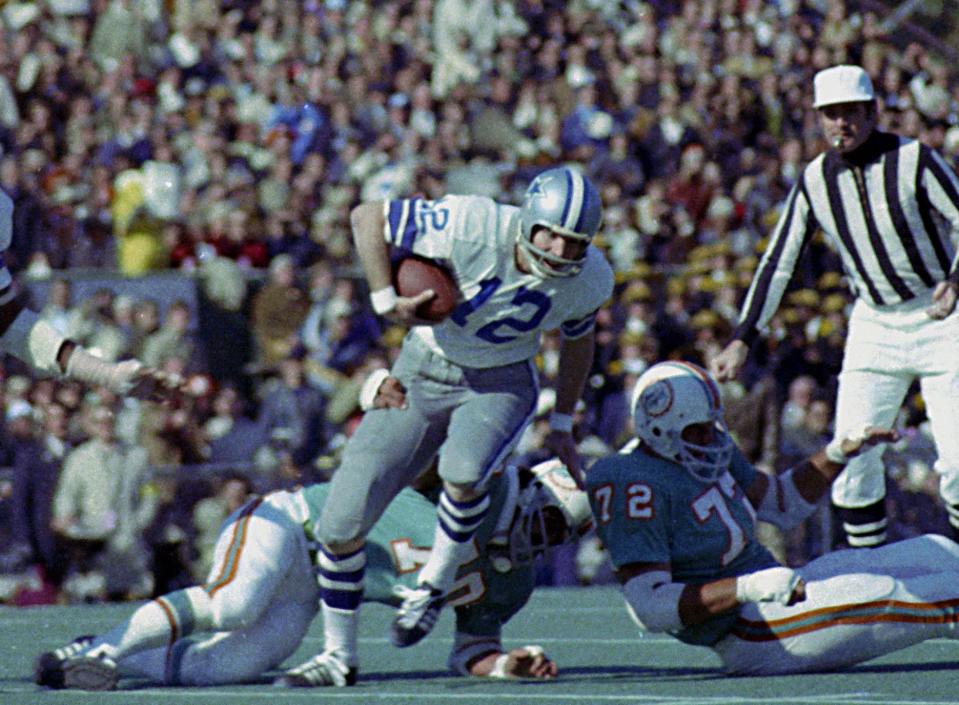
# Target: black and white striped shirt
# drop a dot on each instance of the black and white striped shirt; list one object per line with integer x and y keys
{"x": 891, "y": 211}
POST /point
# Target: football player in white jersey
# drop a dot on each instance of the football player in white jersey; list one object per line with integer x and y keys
{"x": 677, "y": 515}
{"x": 471, "y": 387}
{"x": 261, "y": 595}
{"x": 27, "y": 337}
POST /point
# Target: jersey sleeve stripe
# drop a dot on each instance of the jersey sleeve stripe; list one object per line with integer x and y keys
{"x": 401, "y": 223}
{"x": 576, "y": 329}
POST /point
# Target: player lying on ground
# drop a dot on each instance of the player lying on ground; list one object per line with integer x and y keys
{"x": 29, "y": 338}
{"x": 262, "y": 592}
{"x": 678, "y": 513}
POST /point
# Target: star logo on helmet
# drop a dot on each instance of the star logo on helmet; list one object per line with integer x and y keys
{"x": 535, "y": 189}
{"x": 658, "y": 398}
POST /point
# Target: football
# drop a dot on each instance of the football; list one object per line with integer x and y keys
{"x": 413, "y": 275}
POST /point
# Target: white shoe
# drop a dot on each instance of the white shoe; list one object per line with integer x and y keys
{"x": 326, "y": 669}
{"x": 417, "y": 616}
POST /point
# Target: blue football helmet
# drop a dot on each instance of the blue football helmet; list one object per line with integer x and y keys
{"x": 566, "y": 202}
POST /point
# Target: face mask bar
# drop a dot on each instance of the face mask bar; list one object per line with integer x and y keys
{"x": 706, "y": 463}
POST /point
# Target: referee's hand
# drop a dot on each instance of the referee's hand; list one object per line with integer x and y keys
{"x": 943, "y": 300}
{"x": 726, "y": 365}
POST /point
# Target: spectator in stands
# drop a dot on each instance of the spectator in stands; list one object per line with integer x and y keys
{"x": 292, "y": 415}
{"x": 146, "y": 321}
{"x": 99, "y": 511}
{"x": 277, "y": 311}
{"x": 232, "y": 436}
{"x": 58, "y": 311}
{"x": 36, "y": 467}
{"x": 172, "y": 339}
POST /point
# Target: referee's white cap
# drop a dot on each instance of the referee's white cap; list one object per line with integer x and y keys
{"x": 841, "y": 84}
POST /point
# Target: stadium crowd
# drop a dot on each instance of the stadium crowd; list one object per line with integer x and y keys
{"x": 228, "y": 140}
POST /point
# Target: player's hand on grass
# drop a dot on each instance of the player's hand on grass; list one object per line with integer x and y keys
{"x": 524, "y": 662}
{"x": 529, "y": 662}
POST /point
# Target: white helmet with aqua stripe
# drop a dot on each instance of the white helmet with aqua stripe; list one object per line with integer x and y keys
{"x": 667, "y": 399}
{"x": 566, "y": 202}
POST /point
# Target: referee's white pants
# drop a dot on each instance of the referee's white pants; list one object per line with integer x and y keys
{"x": 887, "y": 349}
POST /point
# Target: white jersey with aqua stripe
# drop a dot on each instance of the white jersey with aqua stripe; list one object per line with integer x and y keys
{"x": 501, "y": 311}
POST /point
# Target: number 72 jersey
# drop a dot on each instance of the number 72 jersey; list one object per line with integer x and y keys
{"x": 650, "y": 510}
{"x": 501, "y": 311}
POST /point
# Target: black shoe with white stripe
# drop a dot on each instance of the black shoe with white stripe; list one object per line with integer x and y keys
{"x": 326, "y": 669}
{"x": 417, "y": 616}
{"x": 48, "y": 668}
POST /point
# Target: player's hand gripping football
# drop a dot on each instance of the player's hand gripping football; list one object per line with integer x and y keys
{"x": 404, "y": 311}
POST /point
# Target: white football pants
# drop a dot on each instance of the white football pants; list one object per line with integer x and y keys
{"x": 887, "y": 349}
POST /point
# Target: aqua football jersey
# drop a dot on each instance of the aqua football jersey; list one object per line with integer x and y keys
{"x": 651, "y": 510}
{"x": 399, "y": 545}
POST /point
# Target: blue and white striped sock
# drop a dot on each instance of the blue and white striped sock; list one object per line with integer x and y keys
{"x": 341, "y": 592}
{"x": 456, "y": 525}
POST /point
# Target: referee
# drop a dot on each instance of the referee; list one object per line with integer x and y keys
{"x": 890, "y": 207}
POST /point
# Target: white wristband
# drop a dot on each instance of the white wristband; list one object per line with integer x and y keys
{"x": 561, "y": 422}
{"x": 370, "y": 387}
{"x": 834, "y": 452}
{"x": 383, "y": 300}
{"x": 499, "y": 667}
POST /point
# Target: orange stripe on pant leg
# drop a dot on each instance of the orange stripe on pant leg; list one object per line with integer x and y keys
{"x": 232, "y": 558}
{"x": 174, "y": 630}
{"x": 777, "y": 629}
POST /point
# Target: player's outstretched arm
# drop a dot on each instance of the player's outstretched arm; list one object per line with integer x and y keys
{"x": 31, "y": 339}
{"x": 787, "y": 499}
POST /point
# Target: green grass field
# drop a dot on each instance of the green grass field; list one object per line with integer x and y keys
{"x": 602, "y": 657}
